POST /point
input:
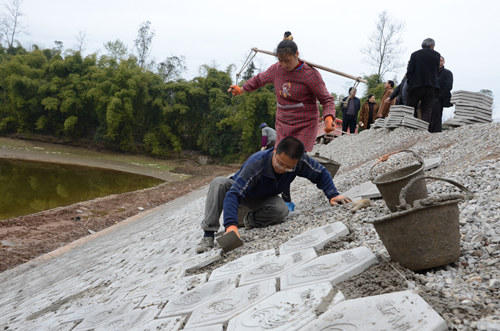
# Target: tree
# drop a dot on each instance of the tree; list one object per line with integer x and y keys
{"x": 143, "y": 43}
{"x": 11, "y": 23}
{"x": 171, "y": 68}
{"x": 250, "y": 72}
{"x": 116, "y": 49}
{"x": 81, "y": 39}
{"x": 384, "y": 45}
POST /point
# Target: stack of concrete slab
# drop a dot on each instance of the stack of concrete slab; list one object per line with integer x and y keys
{"x": 414, "y": 123}
{"x": 396, "y": 115}
{"x": 379, "y": 123}
{"x": 399, "y": 116}
{"x": 470, "y": 108}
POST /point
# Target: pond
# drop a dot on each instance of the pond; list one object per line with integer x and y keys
{"x": 28, "y": 187}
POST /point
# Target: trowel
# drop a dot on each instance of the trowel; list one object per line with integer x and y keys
{"x": 229, "y": 241}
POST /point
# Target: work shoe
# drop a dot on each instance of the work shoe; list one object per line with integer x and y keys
{"x": 246, "y": 222}
{"x": 205, "y": 244}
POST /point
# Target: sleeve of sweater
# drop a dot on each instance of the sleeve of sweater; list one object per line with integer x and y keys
{"x": 261, "y": 79}
{"x": 319, "y": 175}
{"x": 321, "y": 93}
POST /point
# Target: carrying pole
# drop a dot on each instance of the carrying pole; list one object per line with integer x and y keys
{"x": 357, "y": 79}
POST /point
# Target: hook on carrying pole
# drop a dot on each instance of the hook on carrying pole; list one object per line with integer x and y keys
{"x": 246, "y": 63}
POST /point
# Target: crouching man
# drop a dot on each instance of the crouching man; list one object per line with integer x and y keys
{"x": 257, "y": 184}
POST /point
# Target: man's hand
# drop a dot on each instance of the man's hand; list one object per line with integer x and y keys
{"x": 263, "y": 148}
{"x": 235, "y": 90}
{"x": 339, "y": 199}
{"x": 329, "y": 124}
{"x": 233, "y": 228}
{"x": 387, "y": 100}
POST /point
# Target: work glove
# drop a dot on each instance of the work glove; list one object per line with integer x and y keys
{"x": 329, "y": 124}
{"x": 339, "y": 199}
{"x": 235, "y": 90}
{"x": 233, "y": 228}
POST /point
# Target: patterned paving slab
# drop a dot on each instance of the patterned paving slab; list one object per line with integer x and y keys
{"x": 335, "y": 268}
{"x": 284, "y": 311}
{"x": 275, "y": 266}
{"x": 224, "y": 307}
{"x": 236, "y": 267}
{"x": 158, "y": 292}
{"x": 404, "y": 310}
{"x": 316, "y": 238}
{"x": 218, "y": 327}
{"x": 187, "y": 302}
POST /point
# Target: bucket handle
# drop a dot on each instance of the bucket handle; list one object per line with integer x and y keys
{"x": 386, "y": 157}
{"x": 402, "y": 195}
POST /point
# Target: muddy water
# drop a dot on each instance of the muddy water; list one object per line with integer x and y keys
{"x": 28, "y": 187}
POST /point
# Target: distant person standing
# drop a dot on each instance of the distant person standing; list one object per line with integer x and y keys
{"x": 368, "y": 112}
{"x": 383, "y": 110}
{"x": 442, "y": 99}
{"x": 422, "y": 79}
{"x": 350, "y": 107}
{"x": 268, "y": 137}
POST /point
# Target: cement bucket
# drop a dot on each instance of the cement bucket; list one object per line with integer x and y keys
{"x": 329, "y": 164}
{"x": 426, "y": 235}
{"x": 390, "y": 183}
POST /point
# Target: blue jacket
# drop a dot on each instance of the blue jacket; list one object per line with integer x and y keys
{"x": 257, "y": 179}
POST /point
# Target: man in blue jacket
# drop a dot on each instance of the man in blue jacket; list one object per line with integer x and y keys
{"x": 257, "y": 185}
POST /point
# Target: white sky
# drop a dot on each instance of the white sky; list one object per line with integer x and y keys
{"x": 330, "y": 33}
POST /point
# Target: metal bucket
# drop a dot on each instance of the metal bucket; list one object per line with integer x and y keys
{"x": 391, "y": 183}
{"x": 426, "y": 235}
{"x": 329, "y": 164}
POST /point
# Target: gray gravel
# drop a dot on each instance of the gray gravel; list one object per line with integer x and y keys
{"x": 465, "y": 293}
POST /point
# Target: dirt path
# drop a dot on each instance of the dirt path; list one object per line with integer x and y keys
{"x": 26, "y": 237}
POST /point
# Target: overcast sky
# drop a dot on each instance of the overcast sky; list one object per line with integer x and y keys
{"x": 330, "y": 33}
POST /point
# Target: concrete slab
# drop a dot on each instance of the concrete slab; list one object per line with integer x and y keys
{"x": 394, "y": 311}
{"x": 218, "y": 327}
{"x": 432, "y": 162}
{"x": 284, "y": 311}
{"x": 171, "y": 324}
{"x": 275, "y": 266}
{"x": 316, "y": 238}
{"x": 202, "y": 260}
{"x": 190, "y": 300}
{"x": 231, "y": 303}
{"x": 236, "y": 267}
{"x": 335, "y": 268}
{"x": 158, "y": 292}
{"x": 366, "y": 190}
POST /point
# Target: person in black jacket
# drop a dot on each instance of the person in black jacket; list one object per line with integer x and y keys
{"x": 350, "y": 107}
{"x": 442, "y": 99}
{"x": 422, "y": 79}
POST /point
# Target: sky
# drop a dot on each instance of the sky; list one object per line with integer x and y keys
{"x": 330, "y": 33}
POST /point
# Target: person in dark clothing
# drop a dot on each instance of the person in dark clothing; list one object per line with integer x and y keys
{"x": 256, "y": 186}
{"x": 442, "y": 99}
{"x": 350, "y": 107}
{"x": 422, "y": 79}
{"x": 368, "y": 112}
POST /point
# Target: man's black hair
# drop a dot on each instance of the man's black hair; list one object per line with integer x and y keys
{"x": 391, "y": 83}
{"x": 292, "y": 147}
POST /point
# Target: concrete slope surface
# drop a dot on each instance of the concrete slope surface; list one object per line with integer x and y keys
{"x": 125, "y": 277}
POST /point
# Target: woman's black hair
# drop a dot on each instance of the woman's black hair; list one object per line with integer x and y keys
{"x": 287, "y": 46}
{"x": 369, "y": 96}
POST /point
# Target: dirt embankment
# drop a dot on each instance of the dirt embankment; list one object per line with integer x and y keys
{"x": 26, "y": 237}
